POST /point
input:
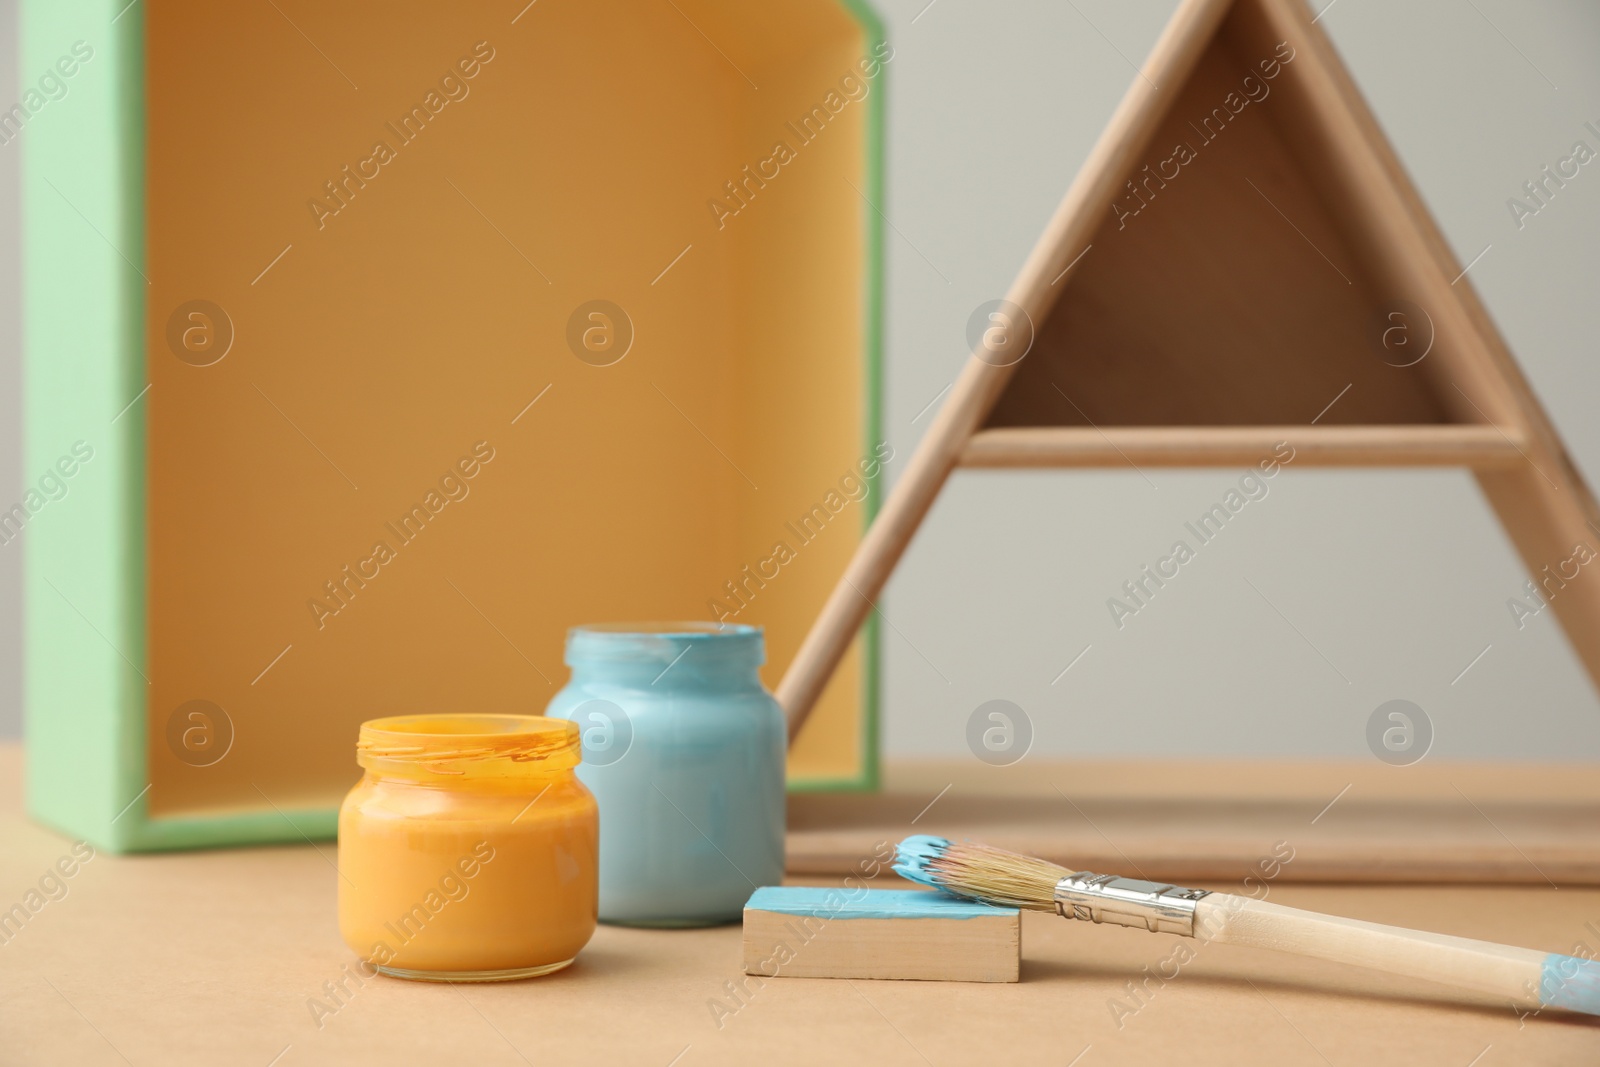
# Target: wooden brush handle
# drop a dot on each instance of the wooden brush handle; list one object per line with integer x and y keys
{"x": 1523, "y": 976}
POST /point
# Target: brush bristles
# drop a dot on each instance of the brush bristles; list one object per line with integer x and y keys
{"x": 980, "y": 872}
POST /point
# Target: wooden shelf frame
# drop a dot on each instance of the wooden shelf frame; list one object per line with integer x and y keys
{"x": 1477, "y": 447}
{"x": 1469, "y": 405}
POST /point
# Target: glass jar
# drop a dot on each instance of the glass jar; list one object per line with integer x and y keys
{"x": 684, "y": 751}
{"x": 468, "y": 851}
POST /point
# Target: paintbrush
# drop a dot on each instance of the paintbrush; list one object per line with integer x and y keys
{"x": 1007, "y": 879}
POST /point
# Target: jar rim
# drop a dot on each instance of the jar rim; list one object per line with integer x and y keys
{"x": 441, "y": 739}
{"x": 661, "y": 643}
{"x": 670, "y": 628}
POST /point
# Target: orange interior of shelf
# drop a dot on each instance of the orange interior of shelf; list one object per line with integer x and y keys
{"x": 390, "y": 339}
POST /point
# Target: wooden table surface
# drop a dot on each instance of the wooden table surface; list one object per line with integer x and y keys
{"x": 214, "y": 957}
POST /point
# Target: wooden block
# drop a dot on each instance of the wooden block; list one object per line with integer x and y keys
{"x": 815, "y": 932}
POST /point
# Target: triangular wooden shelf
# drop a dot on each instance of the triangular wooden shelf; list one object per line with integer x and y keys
{"x": 1220, "y": 277}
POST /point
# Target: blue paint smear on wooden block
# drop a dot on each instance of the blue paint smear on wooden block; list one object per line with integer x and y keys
{"x": 821, "y": 902}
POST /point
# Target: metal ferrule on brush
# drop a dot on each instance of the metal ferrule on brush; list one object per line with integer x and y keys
{"x": 1106, "y": 898}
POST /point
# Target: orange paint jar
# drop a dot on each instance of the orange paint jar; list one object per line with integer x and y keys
{"x": 469, "y": 850}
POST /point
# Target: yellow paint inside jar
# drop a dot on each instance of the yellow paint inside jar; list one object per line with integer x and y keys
{"x": 469, "y": 850}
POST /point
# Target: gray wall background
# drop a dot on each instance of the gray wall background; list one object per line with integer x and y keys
{"x": 1367, "y": 587}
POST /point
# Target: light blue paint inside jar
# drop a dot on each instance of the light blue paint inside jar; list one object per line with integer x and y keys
{"x": 684, "y": 751}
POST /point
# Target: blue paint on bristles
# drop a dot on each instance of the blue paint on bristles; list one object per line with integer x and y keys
{"x": 913, "y": 855}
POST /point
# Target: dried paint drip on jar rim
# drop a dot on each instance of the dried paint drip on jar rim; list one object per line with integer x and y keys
{"x": 468, "y": 745}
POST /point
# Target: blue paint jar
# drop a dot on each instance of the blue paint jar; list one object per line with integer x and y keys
{"x": 684, "y": 751}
